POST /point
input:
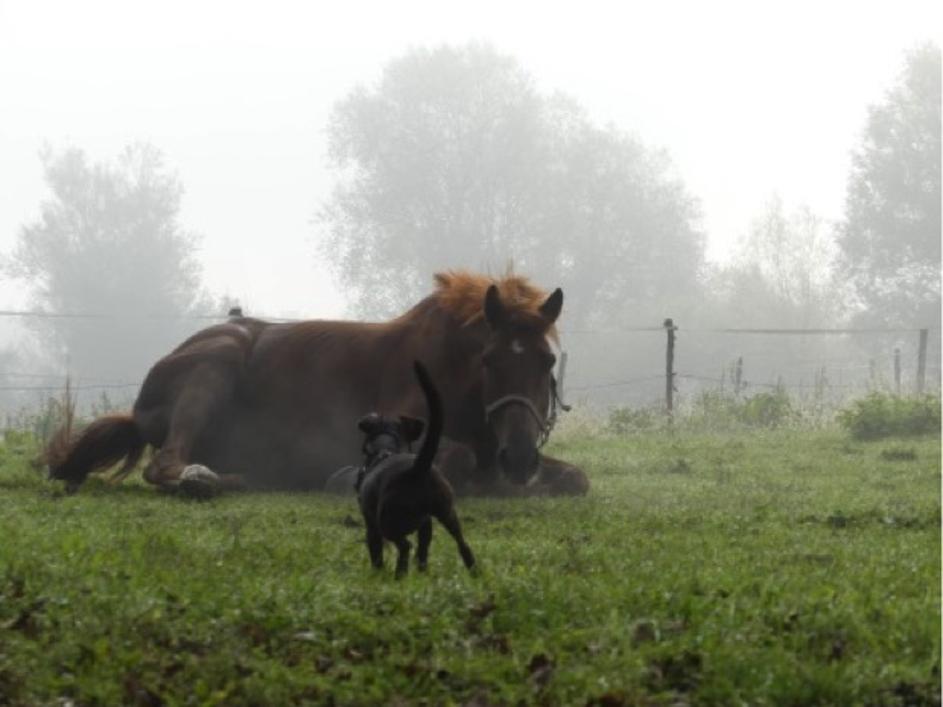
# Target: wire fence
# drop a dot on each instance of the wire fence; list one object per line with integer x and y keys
{"x": 807, "y": 373}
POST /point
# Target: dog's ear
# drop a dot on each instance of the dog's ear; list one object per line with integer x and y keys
{"x": 411, "y": 427}
{"x": 369, "y": 424}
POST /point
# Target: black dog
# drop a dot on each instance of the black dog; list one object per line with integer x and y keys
{"x": 403, "y": 492}
{"x": 384, "y": 437}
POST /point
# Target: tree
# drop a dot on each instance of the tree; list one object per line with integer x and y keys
{"x": 781, "y": 277}
{"x": 454, "y": 159}
{"x": 108, "y": 251}
{"x": 890, "y": 238}
{"x": 784, "y": 274}
{"x": 8, "y": 360}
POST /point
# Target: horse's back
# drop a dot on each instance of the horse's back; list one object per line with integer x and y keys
{"x": 308, "y": 385}
{"x": 287, "y": 396}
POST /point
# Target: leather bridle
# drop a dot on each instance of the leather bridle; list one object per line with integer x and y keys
{"x": 545, "y": 424}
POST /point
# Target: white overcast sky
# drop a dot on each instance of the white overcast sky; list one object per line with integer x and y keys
{"x": 749, "y": 98}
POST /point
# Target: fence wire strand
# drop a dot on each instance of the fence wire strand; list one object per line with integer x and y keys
{"x": 829, "y": 364}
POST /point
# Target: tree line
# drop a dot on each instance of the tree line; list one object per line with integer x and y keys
{"x": 454, "y": 158}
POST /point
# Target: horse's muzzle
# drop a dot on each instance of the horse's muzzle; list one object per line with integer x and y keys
{"x": 518, "y": 462}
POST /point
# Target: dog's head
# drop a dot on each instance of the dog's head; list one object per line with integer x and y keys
{"x": 388, "y": 435}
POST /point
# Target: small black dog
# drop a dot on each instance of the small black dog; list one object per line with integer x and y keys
{"x": 384, "y": 437}
{"x": 401, "y": 494}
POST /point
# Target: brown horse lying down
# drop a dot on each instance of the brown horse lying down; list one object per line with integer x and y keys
{"x": 251, "y": 403}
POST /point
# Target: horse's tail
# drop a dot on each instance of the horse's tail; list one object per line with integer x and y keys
{"x": 430, "y": 445}
{"x": 102, "y": 444}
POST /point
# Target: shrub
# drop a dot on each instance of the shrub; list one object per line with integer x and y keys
{"x": 714, "y": 407}
{"x": 718, "y": 410}
{"x": 771, "y": 409}
{"x": 883, "y": 415}
{"x": 623, "y": 420}
{"x": 17, "y": 446}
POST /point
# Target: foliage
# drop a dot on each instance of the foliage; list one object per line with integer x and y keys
{"x": 884, "y": 415}
{"x": 454, "y": 159}
{"x": 708, "y": 569}
{"x": 42, "y": 420}
{"x": 767, "y": 409}
{"x": 783, "y": 275}
{"x": 19, "y": 448}
{"x": 623, "y": 420}
{"x": 9, "y": 362}
{"x": 784, "y": 272}
{"x": 890, "y": 238}
{"x": 109, "y": 247}
{"x": 720, "y": 410}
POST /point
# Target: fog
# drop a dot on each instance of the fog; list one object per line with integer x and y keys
{"x": 751, "y": 112}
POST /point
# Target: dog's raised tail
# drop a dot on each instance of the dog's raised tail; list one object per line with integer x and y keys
{"x": 430, "y": 445}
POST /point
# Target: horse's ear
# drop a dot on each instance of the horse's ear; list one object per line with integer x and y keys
{"x": 368, "y": 423}
{"x": 412, "y": 427}
{"x": 495, "y": 312}
{"x": 551, "y": 307}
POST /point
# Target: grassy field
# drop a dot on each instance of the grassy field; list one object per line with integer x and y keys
{"x": 776, "y": 568}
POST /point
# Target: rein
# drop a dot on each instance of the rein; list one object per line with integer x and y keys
{"x": 547, "y": 424}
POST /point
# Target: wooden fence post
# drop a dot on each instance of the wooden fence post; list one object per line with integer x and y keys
{"x": 897, "y": 371}
{"x": 738, "y": 377}
{"x": 922, "y": 362}
{"x": 669, "y": 369}
{"x": 561, "y": 376}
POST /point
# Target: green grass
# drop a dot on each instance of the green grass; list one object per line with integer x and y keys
{"x": 776, "y": 568}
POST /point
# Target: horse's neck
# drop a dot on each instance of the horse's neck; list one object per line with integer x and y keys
{"x": 451, "y": 351}
{"x": 456, "y": 370}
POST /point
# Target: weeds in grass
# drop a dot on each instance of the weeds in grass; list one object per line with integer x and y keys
{"x": 876, "y": 416}
{"x": 899, "y": 454}
{"x": 883, "y": 415}
{"x": 713, "y": 409}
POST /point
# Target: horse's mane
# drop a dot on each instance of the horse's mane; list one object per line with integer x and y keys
{"x": 462, "y": 294}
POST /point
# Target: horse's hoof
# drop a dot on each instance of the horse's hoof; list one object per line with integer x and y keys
{"x": 199, "y": 481}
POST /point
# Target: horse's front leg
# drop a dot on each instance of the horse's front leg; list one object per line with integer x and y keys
{"x": 559, "y": 478}
{"x": 169, "y": 471}
{"x": 553, "y": 477}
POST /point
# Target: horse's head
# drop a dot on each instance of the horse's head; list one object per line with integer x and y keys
{"x": 517, "y": 366}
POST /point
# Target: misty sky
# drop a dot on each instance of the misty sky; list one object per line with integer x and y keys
{"x": 748, "y": 98}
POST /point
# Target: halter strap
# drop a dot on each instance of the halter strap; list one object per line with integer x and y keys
{"x": 547, "y": 424}
{"x": 518, "y": 400}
